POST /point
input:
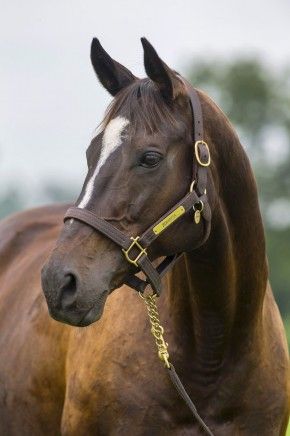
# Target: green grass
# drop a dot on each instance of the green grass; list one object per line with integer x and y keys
{"x": 288, "y": 430}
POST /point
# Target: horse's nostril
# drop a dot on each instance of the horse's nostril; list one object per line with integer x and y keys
{"x": 68, "y": 292}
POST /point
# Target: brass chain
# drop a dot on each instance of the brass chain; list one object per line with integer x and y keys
{"x": 156, "y": 328}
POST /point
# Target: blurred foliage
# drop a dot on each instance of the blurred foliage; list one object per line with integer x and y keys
{"x": 17, "y": 198}
{"x": 256, "y": 98}
{"x": 56, "y": 193}
{"x": 10, "y": 202}
{"x": 252, "y": 95}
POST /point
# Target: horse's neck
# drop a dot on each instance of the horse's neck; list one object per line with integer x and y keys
{"x": 217, "y": 291}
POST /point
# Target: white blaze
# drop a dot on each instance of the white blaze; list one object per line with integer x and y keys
{"x": 112, "y": 139}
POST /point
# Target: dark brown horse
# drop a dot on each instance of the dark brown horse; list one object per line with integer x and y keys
{"x": 222, "y": 324}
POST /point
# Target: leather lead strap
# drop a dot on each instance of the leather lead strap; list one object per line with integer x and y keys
{"x": 186, "y": 398}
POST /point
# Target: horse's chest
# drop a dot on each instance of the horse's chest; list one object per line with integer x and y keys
{"x": 120, "y": 387}
{"x": 124, "y": 400}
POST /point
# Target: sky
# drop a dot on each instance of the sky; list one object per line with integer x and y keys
{"x": 50, "y": 99}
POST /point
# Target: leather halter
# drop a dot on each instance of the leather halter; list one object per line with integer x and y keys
{"x": 135, "y": 248}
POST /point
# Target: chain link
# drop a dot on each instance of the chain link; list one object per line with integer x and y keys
{"x": 156, "y": 328}
{"x": 157, "y": 331}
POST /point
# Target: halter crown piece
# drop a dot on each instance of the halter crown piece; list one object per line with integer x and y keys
{"x": 135, "y": 247}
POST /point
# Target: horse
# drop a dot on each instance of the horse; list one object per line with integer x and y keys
{"x": 67, "y": 374}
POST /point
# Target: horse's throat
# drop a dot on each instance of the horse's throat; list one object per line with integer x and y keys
{"x": 209, "y": 295}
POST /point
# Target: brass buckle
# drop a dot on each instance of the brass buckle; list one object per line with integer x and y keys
{"x": 196, "y": 151}
{"x": 138, "y": 245}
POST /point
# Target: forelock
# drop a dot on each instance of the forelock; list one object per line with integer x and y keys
{"x": 142, "y": 104}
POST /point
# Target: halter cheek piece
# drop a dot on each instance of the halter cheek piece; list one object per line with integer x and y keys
{"x": 135, "y": 248}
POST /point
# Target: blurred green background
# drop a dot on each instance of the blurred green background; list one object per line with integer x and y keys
{"x": 257, "y": 100}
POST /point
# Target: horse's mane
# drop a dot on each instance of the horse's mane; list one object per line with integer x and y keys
{"x": 143, "y": 105}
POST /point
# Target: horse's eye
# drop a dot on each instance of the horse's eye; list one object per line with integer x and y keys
{"x": 150, "y": 159}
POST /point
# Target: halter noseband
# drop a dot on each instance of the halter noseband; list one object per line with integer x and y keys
{"x": 135, "y": 248}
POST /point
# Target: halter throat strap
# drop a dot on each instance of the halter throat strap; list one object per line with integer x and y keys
{"x": 135, "y": 248}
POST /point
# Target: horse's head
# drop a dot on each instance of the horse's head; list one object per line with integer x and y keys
{"x": 139, "y": 166}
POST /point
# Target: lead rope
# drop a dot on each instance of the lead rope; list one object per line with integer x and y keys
{"x": 157, "y": 331}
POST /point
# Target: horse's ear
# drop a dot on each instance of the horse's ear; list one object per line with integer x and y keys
{"x": 112, "y": 75}
{"x": 165, "y": 78}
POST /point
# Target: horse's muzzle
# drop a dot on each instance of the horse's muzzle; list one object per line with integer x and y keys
{"x": 65, "y": 297}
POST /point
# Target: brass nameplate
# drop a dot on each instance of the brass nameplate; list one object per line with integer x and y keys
{"x": 168, "y": 220}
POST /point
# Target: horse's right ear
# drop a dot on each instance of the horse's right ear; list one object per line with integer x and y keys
{"x": 165, "y": 79}
{"x": 112, "y": 75}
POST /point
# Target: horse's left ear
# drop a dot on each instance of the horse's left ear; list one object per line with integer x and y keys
{"x": 166, "y": 79}
{"x": 112, "y": 75}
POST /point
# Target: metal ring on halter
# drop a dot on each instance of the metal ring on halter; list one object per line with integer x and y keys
{"x": 153, "y": 295}
{"x": 199, "y": 202}
{"x": 192, "y": 185}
